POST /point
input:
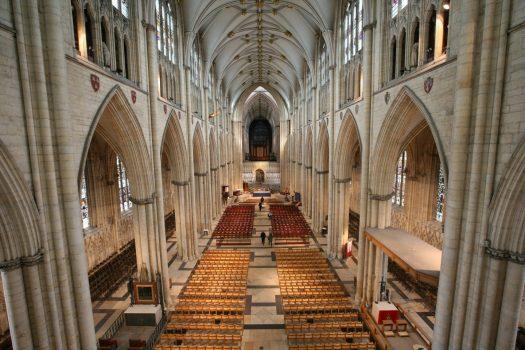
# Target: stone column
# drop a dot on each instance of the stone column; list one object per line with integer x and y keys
{"x": 16, "y": 307}
{"x": 457, "y": 172}
{"x": 58, "y": 83}
{"x": 365, "y": 152}
{"x": 156, "y": 139}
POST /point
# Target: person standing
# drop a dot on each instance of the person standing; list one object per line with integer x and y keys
{"x": 261, "y": 203}
{"x": 263, "y": 237}
{"x": 270, "y": 239}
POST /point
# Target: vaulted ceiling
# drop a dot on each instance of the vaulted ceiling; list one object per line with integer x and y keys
{"x": 253, "y": 42}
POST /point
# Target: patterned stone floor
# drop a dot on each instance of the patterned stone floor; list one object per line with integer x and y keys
{"x": 264, "y": 319}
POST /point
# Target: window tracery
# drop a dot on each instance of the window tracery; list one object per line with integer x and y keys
{"x": 123, "y": 186}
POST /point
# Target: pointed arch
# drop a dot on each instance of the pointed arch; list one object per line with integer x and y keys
{"x": 323, "y": 147}
{"x": 117, "y": 123}
{"x": 348, "y": 141}
{"x": 507, "y": 217}
{"x": 19, "y": 232}
{"x": 406, "y": 117}
{"x": 214, "y": 159}
{"x": 308, "y": 148}
{"x": 174, "y": 145}
{"x": 199, "y": 151}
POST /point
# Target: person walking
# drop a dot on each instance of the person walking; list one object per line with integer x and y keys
{"x": 270, "y": 239}
{"x": 263, "y": 237}
{"x": 261, "y": 203}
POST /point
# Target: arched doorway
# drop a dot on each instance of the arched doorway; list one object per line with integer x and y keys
{"x": 259, "y": 176}
{"x": 202, "y": 202}
{"x": 260, "y": 140}
{"x": 308, "y": 169}
{"x": 116, "y": 182}
{"x": 406, "y": 201}
{"x": 21, "y": 259}
{"x": 346, "y": 187}
{"x": 177, "y": 194}
{"x": 321, "y": 182}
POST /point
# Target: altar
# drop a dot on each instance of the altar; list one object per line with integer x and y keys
{"x": 383, "y": 310}
{"x": 262, "y": 193}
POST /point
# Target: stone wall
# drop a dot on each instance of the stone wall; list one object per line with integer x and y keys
{"x": 104, "y": 241}
{"x": 272, "y": 172}
{"x": 429, "y": 231}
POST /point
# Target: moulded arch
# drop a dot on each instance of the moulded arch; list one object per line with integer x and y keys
{"x": 507, "y": 217}
{"x": 405, "y": 118}
{"x": 347, "y": 141}
{"x": 117, "y": 123}
{"x": 19, "y": 232}
{"x": 214, "y": 160}
{"x": 323, "y": 147}
{"x": 199, "y": 151}
{"x": 308, "y": 148}
{"x": 174, "y": 145}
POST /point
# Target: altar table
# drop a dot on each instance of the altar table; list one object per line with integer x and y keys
{"x": 384, "y": 310}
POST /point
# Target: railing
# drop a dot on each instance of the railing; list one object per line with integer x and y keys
{"x": 115, "y": 327}
{"x": 154, "y": 337}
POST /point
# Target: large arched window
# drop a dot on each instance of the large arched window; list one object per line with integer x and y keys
{"x": 166, "y": 30}
{"x": 84, "y": 209}
{"x": 393, "y": 53}
{"x": 127, "y": 66}
{"x": 88, "y": 24}
{"x": 121, "y": 6}
{"x": 398, "y": 5}
{"x": 118, "y": 53}
{"x": 431, "y": 35}
{"x": 353, "y": 29}
{"x": 123, "y": 185}
{"x": 400, "y": 180}
{"x": 402, "y": 52}
{"x": 74, "y": 18}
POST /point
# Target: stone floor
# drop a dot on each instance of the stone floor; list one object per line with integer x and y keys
{"x": 264, "y": 319}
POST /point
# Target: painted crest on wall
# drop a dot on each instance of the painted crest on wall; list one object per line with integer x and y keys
{"x": 95, "y": 82}
{"x": 428, "y": 84}
{"x": 387, "y": 97}
{"x": 133, "y": 96}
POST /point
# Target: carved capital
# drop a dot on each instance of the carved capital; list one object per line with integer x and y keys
{"x": 142, "y": 201}
{"x": 342, "y": 181}
{"x": 201, "y": 174}
{"x": 501, "y": 254}
{"x": 180, "y": 183}
{"x": 381, "y": 197}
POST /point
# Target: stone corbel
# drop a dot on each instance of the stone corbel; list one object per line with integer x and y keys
{"x": 501, "y": 254}
{"x": 14, "y": 264}
{"x": 214, "y": 169}
{"x": 180, "y": 183}
{"x": 142, "y": 201}
{"x": 201, "y": 174}
{"x": 308, "y": 167}
{"x": 300, "y": 163}
{"x": 382, "y": 197}
{"x": 342, "y": 181}
{"x": 321, "y": 172}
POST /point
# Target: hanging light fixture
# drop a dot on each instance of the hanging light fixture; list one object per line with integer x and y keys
{"x": 446, "y": 4}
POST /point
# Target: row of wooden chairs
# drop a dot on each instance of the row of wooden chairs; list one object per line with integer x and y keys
{"x": 318, "y": 310}
{"x": 196, "y": 347}
{"x": 235, "y": 223}
{"x": 210, "y": 309}
{"x": 288, "y": 224}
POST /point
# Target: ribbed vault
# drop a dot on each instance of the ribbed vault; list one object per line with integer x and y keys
{"x": 252, "y": 42}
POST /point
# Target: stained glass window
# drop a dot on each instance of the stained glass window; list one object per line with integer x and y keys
{"x": 84, "y": 210}
{"x": 121, "y": 6}
{"x": 353, "y": 29}
{"x": 395, "y": 8}
{"x": 400, "y": 180}
{"x": 440, "y": 195}
{"x": 123, "y": 186}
